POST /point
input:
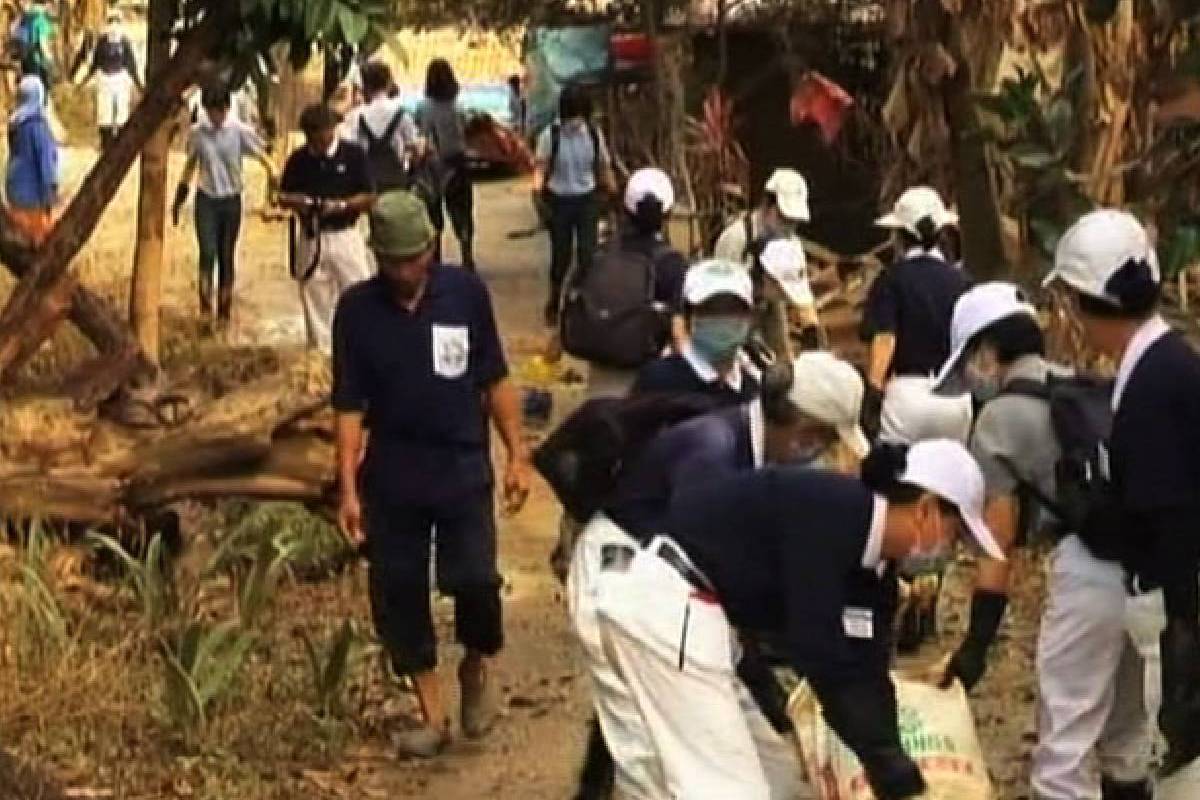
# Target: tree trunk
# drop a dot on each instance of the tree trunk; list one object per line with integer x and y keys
{"x": 41, "y": 299}
{"x": 145, "y": 295}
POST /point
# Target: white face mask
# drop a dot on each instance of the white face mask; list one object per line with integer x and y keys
{"x": 983, "y": 381}
{"x": 926, "y": 559}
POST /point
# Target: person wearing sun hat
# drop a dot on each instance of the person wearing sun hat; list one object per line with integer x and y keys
{"x": 417, "y": 359}
{"x": 781, "y": 551}
{"x": 906, "y": 322}
{"x": 1108, "y": 267}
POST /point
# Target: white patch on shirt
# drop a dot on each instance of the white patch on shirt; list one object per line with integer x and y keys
{"x": 451, "y": 348}
{"x": 859, "y": 623}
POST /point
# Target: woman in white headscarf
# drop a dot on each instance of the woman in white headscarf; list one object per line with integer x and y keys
{"x": 31, "y": 179}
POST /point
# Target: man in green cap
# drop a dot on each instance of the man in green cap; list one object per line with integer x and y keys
{"x": 417, "y": 359}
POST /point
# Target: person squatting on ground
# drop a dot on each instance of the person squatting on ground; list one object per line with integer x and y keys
{"x": 384, "y": 130}
{"x": 573, "y": 175}
{"x": 32, "y": 177}
{"x": 781, "y": 289}
{"x": 1093, "y": 653}
{"x": 419, "y": 363}
{"x": 1148, "y": 507}
{"x": 808, "y": 415}
{"x": 906, "y": 322}
{"x": 789, "y": 552}
{"x": 115, "y": 68}
{"x": 441, "y": 122}
{"x": 216, "y": 147}
{"x": 327, "y": 184}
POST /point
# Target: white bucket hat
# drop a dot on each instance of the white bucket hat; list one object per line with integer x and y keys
{"x": 791, "y": 190}
{"x": 785, "y": 261}
{"x": 912, "y": 412}
{"x": 1096, "y": 247}
{"x": 831, "y": 390}
{"x": 915, "y": 205}
{"x": 649, "y": 182}
{"x": 713, "y": 277}
{"x": 946, "y": 469}
{"x": 975, "y": 312}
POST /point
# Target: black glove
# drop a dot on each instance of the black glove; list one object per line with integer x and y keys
{"x": 755, "y": 673}
{"x": 181, "y": 196}
{"x": 872, "y": 410}
{"x": 810, "y": 338}
{"x": 970, "y": 661}
{"x": 865, "y": 716}
{"x": 1179, "y": 717}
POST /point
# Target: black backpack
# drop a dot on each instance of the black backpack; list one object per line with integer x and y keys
{"x": 1087, "y": 502}
{"x": 609, "y": 316}
{"x": 582, "y": 458}
{"x": 388, "y": 167}
{"x": 556, "y": 146}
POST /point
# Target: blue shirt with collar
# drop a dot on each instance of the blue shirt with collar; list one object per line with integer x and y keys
{"x": 419, "y": 377}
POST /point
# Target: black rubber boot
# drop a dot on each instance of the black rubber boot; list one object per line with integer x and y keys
{"x": 598, "y": 774}
{"x": 1117, "y": 790}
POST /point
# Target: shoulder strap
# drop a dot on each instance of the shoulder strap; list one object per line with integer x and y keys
{"x": 748, "y": 225}
{"x": 555, "y": 146}
{"x": 365, "y": 130}
{"x": 596, "y": 152}
{"x": 1026, "y": 387}
{"x": 393, "y": 126}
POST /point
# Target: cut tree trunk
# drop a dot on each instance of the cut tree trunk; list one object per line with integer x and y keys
{"x": 145, "y": 295}
{"x": 41, "y": 300}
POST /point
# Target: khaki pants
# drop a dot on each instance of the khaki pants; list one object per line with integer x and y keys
{"x": 344, "y": 262}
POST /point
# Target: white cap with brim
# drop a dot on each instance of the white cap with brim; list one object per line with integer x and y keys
{"x": 785, "y": 261}
{"x": 913, "y": 412}
{"x": 714, "y": 277}
{"x": 915, "y": 205}
{"x": 975, "y": 312}
{"x": 831, "y": 390}
{"x": 791, "y": 192}
{"x": 649, "y": 182}
{"x": 946, "y": 469}
{"x": 1098, "y": 245}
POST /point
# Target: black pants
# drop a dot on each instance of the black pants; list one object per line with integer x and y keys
{"x": 574, "y": 229}
{"x": 399, "y": 548}
{"x": 458, "y": 196}
{"x": 218, "y": 225}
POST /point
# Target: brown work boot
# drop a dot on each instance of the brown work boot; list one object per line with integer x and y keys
{"x": 480, "y": 704}
{"x": 423, "y": 742}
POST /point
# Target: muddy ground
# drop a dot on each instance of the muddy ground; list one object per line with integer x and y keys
{"x": 534, "y": 753}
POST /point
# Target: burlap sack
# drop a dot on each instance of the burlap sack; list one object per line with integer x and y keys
{"x": 936, "y": 728}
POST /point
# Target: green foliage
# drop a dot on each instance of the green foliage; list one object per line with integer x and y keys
{"x": 199, "y": 667}
{"x": 332, "y": 668}
{"x": 42, "y": 632}
{"x": 149, "y": 577}
{"x": 1180, "y": 249}
{"x": 307, "y": 24}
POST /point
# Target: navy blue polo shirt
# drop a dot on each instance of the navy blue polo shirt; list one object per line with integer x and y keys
{"x": 914, "y": 300}
{"x": 1155, "y": 453}
{"x": 693, "y": 452}
{"x": 783, "y": 547}
{"x": 673, "y": 374}
{"x": 420, "y": 379}
{"x": 340, "y": 176}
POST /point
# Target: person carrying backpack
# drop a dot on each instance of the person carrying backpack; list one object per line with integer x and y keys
{"x": 384, "y": 129}
{"x": 1036, "y": 423}
{"x": 573, "y": 172}
{"x": 621, "y": 311}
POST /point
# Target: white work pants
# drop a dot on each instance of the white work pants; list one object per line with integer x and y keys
{"x": 675, "y": 654}
{"x": 113, "y": 94}
{"x": 1098, "y": 677}
{"x": 344, "y": 262}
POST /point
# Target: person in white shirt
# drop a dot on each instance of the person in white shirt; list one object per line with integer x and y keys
{"x": 384, "y": 129}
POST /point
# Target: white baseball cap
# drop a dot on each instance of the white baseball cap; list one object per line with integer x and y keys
{"x": 946, "y": 469}
{"x": 831, "y": 390}
{"x": 713, "y": 277}
{"x": 791, "y": 190}
{"x": 1096, "y": 247}
{"x": 784, "y": 260}
{"x": 915, "y": 205}
{"x": 649, "y": 182}
{"x": 913, "y": 412}
{"x": 975, "y": 312}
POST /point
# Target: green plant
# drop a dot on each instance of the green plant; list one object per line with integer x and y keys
{"x": 42, "y": 625}
{"x": 149, "y": 577}
{"x": 199, "y": 668}
{"x": 332, "y": 668}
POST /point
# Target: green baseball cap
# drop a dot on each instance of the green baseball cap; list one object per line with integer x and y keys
{"x": 400, "y": 226}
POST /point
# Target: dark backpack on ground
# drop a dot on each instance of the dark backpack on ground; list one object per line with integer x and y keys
{"x": 582, "y": 458}
{"x": 609, "y": 316}
{"x": 387, "y": 166}
{"x": 1087, "y": 502}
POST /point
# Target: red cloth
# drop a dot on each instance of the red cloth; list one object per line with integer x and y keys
{"x": 818, "y": 99}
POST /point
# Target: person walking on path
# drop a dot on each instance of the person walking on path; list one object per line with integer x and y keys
{"x": 31, "y": 182}
{"x": 327, "y": 184}
{"x": 115, "y": 66}
{"x": 384, "y": 130}
{"x": 216, "y": 147}
{"x": 441, "y": 122}
{"x": 573, "y": 172}
{"x": 418, "y": 361}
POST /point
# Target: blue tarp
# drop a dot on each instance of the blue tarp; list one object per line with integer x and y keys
{"x": 557, "y": 57}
